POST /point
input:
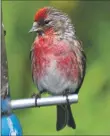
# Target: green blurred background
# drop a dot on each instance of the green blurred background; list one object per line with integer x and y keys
{"x": 92, "y": 23}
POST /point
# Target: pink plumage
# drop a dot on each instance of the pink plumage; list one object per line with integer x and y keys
{"x": 58, "y": 59}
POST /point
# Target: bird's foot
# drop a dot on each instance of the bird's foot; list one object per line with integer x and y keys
{"x": 66, "y": 93}
{"x": 36, "y": 95}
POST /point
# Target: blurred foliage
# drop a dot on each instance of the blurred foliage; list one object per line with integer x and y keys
{"x": 92, "y": 22}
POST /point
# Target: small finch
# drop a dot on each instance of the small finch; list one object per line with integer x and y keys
{"x": 58, "y": 59}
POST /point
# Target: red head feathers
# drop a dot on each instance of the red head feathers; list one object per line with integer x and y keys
{"x": 41, "y": 13}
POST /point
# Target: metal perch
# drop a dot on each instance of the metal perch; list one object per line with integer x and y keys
{"x": 47, "y": 101}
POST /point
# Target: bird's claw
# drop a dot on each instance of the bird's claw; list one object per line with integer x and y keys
{"x": 36, "y": 96}
{"x": 66, "y": 92}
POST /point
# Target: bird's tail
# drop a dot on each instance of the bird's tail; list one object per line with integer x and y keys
{"x": 64, "y": 117}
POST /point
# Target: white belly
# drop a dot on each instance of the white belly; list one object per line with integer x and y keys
{"x": 54, "y": 82}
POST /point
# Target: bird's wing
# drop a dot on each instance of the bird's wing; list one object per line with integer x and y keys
{"x": 81, "y": 58}
{"x": 32, "y": 61}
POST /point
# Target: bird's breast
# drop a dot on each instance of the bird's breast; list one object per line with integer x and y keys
{"x": 54, "y": 65}
{"x": 49, "y": 53}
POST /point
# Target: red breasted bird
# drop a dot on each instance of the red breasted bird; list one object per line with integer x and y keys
{"x": 58, "y": 59}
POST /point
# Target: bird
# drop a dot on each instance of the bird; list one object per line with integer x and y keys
{"x": 58, "y": 60}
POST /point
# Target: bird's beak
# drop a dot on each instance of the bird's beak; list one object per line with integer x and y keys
{"x": 35, "y": 28}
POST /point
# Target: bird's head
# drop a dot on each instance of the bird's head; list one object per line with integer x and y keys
{"x": 49, "y": 18}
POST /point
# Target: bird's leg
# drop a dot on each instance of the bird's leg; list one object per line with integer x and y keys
{"x": 66, "y": 92}
{"x": 36, "y": 96}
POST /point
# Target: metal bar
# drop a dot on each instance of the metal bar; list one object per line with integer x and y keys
{"x": 47, "y": 101}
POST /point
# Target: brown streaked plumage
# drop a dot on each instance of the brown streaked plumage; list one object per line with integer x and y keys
{"x": 58, "y": 59}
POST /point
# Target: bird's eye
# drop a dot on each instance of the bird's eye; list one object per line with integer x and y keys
{"x": 46, "y": 21}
